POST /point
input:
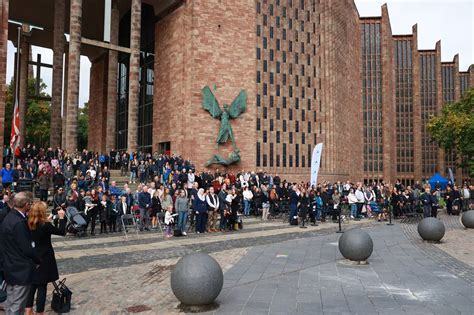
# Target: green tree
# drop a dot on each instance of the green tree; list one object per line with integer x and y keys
{"x": 82, "y": 126}
{"x": 38, "y": 115}
{"x": 453, "y": 129}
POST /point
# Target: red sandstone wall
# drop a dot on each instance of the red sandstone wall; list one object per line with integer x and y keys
{"x": 97, "y": 105}
{"x": 342, "y": 94}
{"x": 202, "y": 43}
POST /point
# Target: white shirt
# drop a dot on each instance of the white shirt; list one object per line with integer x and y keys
{"x": 124, "y": 207}
{"x": 248, "y": 195}
{"x": 212, "y": 201}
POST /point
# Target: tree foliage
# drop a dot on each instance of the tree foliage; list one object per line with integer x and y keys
{"x": 38, "y": 115}
{"x": 453, "y": 129}
{"x": 82, "y": 126}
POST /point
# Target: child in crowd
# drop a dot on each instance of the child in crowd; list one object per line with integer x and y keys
{"x": 169, "y": 221}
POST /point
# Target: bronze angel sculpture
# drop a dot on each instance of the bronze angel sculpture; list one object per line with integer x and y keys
{"x": 238, "y": 106}
{"x": 209, "y": 103}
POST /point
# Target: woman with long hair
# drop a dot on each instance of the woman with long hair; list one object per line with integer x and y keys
{"x": 41, "y": 231}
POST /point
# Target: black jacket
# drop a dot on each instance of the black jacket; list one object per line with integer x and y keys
{"x": 18, "y": 257}
{"x": 48, "y": 269}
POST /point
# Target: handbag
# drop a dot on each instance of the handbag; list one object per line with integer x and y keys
{"x": 3, "y": 289}
{"x": 61, "y": 302}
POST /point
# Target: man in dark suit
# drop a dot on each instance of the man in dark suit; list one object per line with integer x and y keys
{"x": 19, "y": 258}
{"x": 144, "y": 204}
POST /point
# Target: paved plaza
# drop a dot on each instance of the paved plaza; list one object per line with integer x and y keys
{"x": 272, "y": 268}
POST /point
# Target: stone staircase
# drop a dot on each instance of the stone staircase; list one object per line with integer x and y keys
{"x": 121, "y": 180}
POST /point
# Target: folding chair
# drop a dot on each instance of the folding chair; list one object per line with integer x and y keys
{"x": 128, "y": 218}
{"x": 160, "y": 217}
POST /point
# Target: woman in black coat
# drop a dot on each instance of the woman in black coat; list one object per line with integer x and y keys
{"x": 41, "y": 231}
{"x": 103, "y": 214}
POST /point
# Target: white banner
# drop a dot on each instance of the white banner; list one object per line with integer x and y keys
{"x": 315, "y": 161}
{"x": 451, "y": 175}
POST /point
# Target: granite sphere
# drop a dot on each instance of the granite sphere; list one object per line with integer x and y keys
{"x": 356, "y": 245}
{"x": 197, "y": 279}
{"x": 431, "y": 229}
{"x": 467, "y": 219}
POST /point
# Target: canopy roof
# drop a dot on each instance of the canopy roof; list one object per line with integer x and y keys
{"x": 40, "y": 14}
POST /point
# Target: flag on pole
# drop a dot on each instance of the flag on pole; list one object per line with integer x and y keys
{"x": 315, "y": 163}
{"x": 15, "y": 135}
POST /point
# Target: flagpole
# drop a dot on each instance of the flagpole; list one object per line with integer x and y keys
{"x": 17, "y": 83}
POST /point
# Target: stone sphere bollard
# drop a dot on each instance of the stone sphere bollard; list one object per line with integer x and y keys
{"x": 197, "y": 279}
{"x": 467, "y": 219}
{"x": 431, "y": 229}
{"x": 356, "y": 245}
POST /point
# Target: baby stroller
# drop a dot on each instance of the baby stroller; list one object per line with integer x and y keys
{"x": 375, "y": 208}
{"x": 77, "y": 224}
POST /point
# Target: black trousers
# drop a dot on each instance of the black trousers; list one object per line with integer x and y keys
{"x": 103, "y": 227}
{"x": 91, "y": 218}
{"x": 40, "y": 297}
{"x": 112, "y": 224}
{"x": 44, "y": 195}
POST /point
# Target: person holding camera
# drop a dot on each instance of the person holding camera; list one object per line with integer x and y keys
{"x": 18, "y": 257}
{"x": 41, "y": 231}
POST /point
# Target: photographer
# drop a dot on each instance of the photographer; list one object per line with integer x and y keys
{"x": 41, "y": 231}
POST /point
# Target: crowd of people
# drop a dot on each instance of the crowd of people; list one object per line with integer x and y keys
{"x": 170, "y": 192}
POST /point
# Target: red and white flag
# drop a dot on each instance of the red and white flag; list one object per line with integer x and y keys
{"x": 15, "y": 135}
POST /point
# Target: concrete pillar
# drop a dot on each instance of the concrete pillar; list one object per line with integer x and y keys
{"x": 133, "y": 87}
{"x": 3, "y": 65}
{"x": 57, "y": 89}
{"x": 75, "y": 25}
{"x": 23, "y": 84}
{"x": 64, "y": 115}
{"x": 112, "y": 81}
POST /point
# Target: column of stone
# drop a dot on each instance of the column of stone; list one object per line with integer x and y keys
{"x": 56, "y": 95}
{"x": 133, "y": 87}
{"x": 3, "y": 64}
{"x": 75, "y": 25}
{"x": 439, "y": 105}
{"x": 416, "y": 107}
{"x": 64, "y": 115}
{"x": 112, "y": 81}
{"x": 23, "y": 84}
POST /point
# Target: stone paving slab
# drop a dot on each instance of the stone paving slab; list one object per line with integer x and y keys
{"x": 74, "y": 261}
{"x": 400, "y": 279}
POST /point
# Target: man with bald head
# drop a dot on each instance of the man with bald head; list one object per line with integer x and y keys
{"x": 18, "y": 257}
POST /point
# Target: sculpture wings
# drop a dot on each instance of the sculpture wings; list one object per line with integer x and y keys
{"x": 209, "y": 102}
{"x": 238, "y": 105}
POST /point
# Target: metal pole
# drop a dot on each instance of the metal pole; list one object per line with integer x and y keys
{"x": 17, "y": 84}
{"x": 390, "y": 215}
{"x": 339, "y": 219}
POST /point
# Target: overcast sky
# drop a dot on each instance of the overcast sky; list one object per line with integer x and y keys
{"x": 451, "y": 21}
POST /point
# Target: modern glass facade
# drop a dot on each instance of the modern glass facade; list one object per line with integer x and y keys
{"x": 372, "y": 99}
{"x": 428, "y": 95}
{"x": 404, "y": 107}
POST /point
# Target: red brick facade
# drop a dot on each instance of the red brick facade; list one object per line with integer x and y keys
{"x": 314, "y": 71}
{"x": 204, "y": 43}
